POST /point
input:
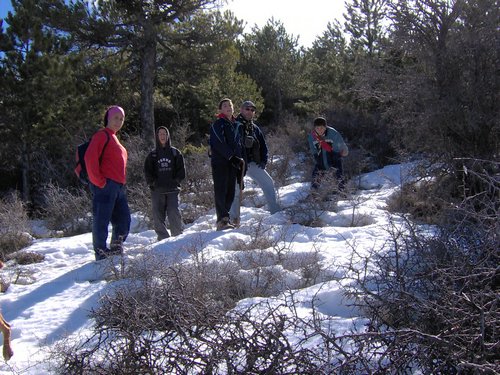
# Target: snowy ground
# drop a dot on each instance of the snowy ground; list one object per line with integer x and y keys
{"x": 51, "y": 300}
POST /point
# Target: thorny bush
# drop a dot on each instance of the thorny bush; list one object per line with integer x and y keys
{"x": 14, "y": 225}
{"x": 432, "y": 293}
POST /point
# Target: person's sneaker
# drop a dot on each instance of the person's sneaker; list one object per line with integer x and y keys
{"x": 224, "y": 224}
{"x": 235, "y": 222}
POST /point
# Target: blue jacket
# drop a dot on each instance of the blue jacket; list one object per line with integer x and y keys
{"x": 324, "y": 159}
{"x": 224, "y": 141}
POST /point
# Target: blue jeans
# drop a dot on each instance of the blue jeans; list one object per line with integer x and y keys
{"x": 109, "y": 204}
{"x": 265, "y": 182}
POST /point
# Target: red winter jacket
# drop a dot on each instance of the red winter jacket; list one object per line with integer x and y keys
{"x": 113, "y": 160}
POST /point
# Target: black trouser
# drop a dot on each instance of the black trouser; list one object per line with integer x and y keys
{"x": 319, "y": 171}
{"x": 224, "y": 176}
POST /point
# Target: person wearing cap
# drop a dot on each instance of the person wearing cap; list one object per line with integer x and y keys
{"x": 164, "y": 170}
{"x": 226, "y": 161}
{"x": 256, "y": 157}
{"x": 106, "y": 161}
{"x": 328, "y": 148}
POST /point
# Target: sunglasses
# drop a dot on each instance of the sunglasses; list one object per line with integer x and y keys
{"x": 250, "y": 109}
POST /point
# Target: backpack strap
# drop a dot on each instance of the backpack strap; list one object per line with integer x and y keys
{"x": 107, "y": 141}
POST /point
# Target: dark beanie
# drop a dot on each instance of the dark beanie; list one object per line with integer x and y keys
{"x": 319, "y": 121}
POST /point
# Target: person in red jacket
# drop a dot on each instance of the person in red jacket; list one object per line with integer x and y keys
{"x": 106, "y": 161}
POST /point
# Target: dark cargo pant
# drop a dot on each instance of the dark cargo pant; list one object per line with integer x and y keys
{"x": 166, "y": 205}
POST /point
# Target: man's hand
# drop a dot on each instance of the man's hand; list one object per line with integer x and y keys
{"x": 240, "y": 181}
{"x": 237, "y": 162}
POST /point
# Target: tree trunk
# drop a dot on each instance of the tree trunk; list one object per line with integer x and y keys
{"x": 279, "y": 104}
{"x": 25, "y": 181}
{"x": 148, "y": 69}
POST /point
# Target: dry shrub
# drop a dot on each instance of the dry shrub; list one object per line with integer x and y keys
{"x": 137, "y": 150}
{"x": 283, "y": 146}
{"x": 252, "y": 340}
{"x": 295, "y": 131}
{"x": 315, "y": 203}
{"x": 197, "y": 192}
{"x": 180, "y": 319}
{"x": 67, "y": 211}
{"x": 269, "y": 263}
{"x": 27, "y": 257}
{"x": 308, "y": 264}
{"x": 138, "y": 193}
{"x": 4, "y": 285}
{"x": 357, "y": 163}
{"x": 260, "y": 237}
{"x": 424, "y": 200}
{"x": 139, "y": 199}
{"x": 432, "y": 297}
{"x": 14, "y": 225}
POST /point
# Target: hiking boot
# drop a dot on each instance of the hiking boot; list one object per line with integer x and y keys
{"x": 224, "y": 224}
{"x": 115, "y": 250}
{"x": 116, "y": 247}
{"x": 101, "y": 254}
{"x": 235, "y": 222}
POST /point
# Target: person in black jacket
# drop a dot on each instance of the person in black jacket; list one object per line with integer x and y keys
{"x": 226, "y": 160}
{"x": 256, "y": 157}
{"x": 164, "y": 170}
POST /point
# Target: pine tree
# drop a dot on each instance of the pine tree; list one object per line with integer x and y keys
{"x": 365, "y": 23}
{"x": 37, "y": 90}
{"x": 272, "y": 58}
{"x": 134, "y": 28}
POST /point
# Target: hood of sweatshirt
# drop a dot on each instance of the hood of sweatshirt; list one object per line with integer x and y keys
{"x": 158, "y": 144}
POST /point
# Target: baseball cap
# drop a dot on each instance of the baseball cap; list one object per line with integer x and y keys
{"x": 248, "y": 103}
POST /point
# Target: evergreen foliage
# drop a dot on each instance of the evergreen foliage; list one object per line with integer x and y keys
{"x": 417, "y": 76}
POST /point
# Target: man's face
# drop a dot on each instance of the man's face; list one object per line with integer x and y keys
{"x": 248, "y": 112}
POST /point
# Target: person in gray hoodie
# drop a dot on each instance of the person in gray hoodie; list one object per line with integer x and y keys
{"x": 164, "y": 170}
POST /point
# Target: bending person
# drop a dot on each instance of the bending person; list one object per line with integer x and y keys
{"x": 328, "y": 148}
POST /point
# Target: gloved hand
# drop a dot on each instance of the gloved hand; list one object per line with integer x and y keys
{"x": 237, "y": 162}
{"x": 262, "y": 165}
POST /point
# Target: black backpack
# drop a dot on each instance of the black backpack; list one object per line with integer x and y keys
{"x": 81, "y": 168}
